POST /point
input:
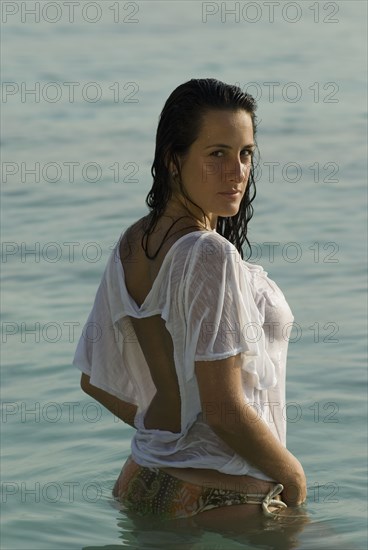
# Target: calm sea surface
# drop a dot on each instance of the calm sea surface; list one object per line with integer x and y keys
{"x": 82, "y": 91}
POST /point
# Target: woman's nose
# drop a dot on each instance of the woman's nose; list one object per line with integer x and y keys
{"x": 234, "y": 171}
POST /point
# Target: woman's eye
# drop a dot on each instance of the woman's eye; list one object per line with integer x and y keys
{"x": 246, "y": 153}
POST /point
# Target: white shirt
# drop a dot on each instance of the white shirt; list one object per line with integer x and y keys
{"x": 215, "y": 305}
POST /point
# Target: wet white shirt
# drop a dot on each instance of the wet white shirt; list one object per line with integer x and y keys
{"x": 215, "y": 305}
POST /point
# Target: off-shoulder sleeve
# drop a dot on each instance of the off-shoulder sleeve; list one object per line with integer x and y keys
{"x": 221, "y": 316}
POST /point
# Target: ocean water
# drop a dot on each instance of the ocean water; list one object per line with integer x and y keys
{"x": 76, "y": 157}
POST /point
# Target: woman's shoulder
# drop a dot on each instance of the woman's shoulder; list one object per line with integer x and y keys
{"x": 182, "y": 239}
{"x": 203, "y": 247}
{"x": 164, "y": 234}
{"x": 203, "y": 239}
{"x": 214, "y": 248}
{"x": 130, "y": 242}
{"x": 134, "y": 230}
{"x": 211, "y": 258}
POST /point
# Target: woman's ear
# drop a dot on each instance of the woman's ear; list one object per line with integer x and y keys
{"x": 173, "y": 171}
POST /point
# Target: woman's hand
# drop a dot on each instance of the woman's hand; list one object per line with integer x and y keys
{"x": 295, "y": 487}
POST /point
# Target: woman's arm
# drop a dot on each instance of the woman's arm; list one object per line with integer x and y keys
{"x": 123, "y": 410}
{"x": 238, "y": 424}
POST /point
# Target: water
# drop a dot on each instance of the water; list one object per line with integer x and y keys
{"x": 61, "y": 451}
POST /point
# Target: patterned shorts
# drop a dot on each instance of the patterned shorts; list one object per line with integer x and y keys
{"x": 153, "y": 492}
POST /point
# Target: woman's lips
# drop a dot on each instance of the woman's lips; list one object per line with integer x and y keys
{"x": 231, "y": 194}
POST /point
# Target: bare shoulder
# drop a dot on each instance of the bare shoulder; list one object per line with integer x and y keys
{"x": 135, "y": 230}
{"x": 130, "y": 241}
{"x": 161, "y": 237}
{"x": 142, "y": 258}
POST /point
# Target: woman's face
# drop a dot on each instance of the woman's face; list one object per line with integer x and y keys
{"x": 216, "y": 169}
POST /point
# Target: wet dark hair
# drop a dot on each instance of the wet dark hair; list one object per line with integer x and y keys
{"x": 179, "y": 126}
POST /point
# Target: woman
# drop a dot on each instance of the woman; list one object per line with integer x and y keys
{"x": 186, "y": 340}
